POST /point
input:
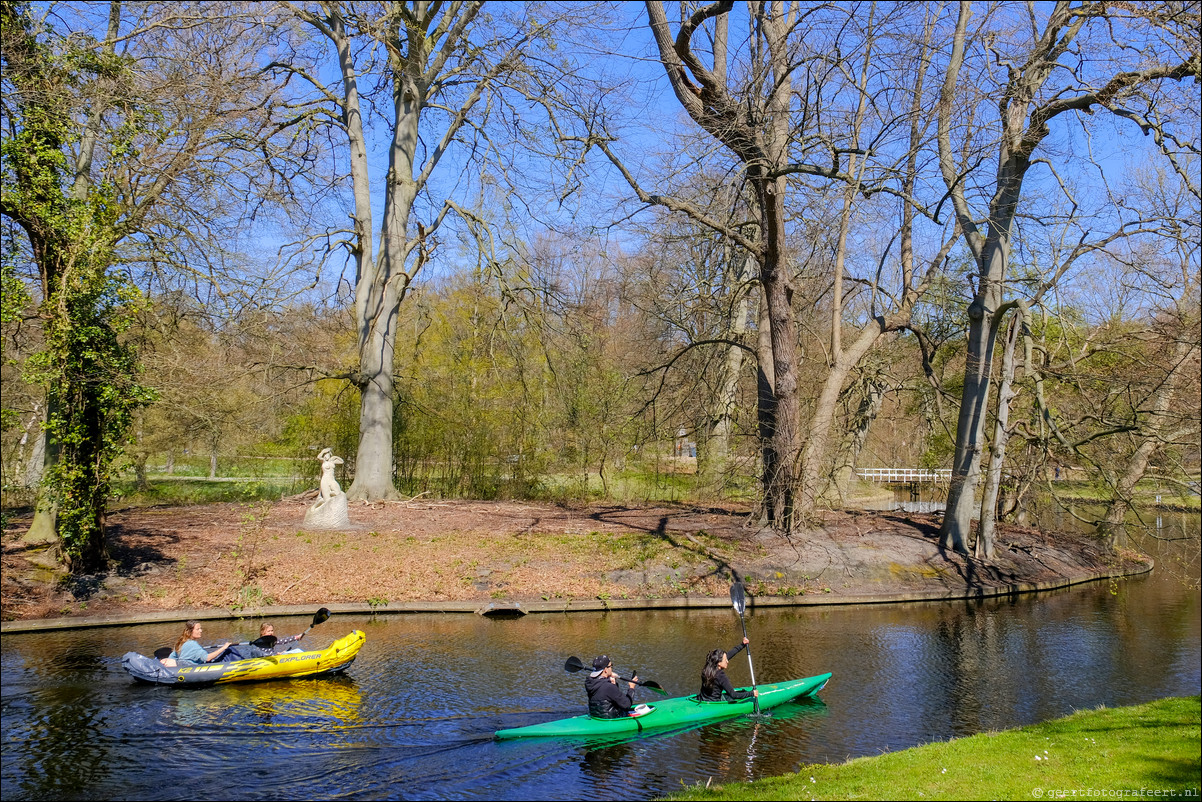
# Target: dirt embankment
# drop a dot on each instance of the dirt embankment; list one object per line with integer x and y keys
{"x": 241, "y": 557}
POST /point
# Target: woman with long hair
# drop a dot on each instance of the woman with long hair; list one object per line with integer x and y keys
{"x": 188, "y": 649}
{"x": 714, "y": 683}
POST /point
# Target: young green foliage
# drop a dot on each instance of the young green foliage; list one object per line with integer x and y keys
{"x": 89, "y": 374}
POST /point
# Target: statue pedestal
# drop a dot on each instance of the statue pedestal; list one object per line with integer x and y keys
{"x": 328, "y": 513}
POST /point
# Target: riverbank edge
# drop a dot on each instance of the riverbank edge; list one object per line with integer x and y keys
{"x": 518, "y": 608}
{"x": 1140, "y": 750}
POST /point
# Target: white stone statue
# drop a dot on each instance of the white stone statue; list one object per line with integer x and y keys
{"x": 329, "y": 511}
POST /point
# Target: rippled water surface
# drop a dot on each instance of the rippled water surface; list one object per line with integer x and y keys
{"x": 414, "y": 716}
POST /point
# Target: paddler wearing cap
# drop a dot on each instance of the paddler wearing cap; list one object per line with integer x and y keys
{"x": 605, "y": 698}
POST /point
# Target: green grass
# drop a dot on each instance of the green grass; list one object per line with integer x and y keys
{"x": 1145, "y": 495}
{"x": 265, "y": 467}
{"x": 199, "y": 491}
{"x": 1154, "y": 747}
{"x": 639, "y": 487}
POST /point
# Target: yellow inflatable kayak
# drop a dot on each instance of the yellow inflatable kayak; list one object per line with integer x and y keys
{"x": 335, "y": 658}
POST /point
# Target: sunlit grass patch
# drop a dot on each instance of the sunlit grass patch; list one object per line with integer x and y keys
{"x": 1154, "y": 747}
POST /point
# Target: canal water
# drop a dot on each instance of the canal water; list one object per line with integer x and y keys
{"x": 413, "y": 718}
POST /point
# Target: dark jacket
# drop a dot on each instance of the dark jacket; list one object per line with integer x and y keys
{"x": 721, "y": 686}
{"x": 285, "y": 644}
{"x": 607, "y": 700}
{"x": 248, "y": 651}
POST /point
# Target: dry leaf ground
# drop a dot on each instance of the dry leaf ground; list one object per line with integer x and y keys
{"x": 241, "y": 557}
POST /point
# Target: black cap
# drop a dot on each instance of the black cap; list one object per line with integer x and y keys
{"x": 600, "y": 664}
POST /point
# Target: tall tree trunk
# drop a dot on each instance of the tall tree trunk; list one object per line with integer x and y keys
{"x": 44, "y": 529}
{"x": 781, "y": 480}
{"x": 375, "y": 312}
{"x": 984, "y": 547}
{"x": 378, "y": 300}
{"x": 765, "y": 408}
{"x": 760, "y": 140}
{"x": 776, "y": 276}
{"x": 984, "y": 317}
{"x": 420, "y": 40}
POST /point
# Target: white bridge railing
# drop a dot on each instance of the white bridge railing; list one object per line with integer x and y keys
{"x": 905, "y": 475}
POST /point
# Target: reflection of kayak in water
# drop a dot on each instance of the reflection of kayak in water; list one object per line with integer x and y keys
{"x": 683, "y": 711}
{"x": 325, "y": 704}
{"x": 335, "y": 658}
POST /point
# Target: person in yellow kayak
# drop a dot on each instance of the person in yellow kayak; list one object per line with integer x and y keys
{"x": 267, "y": 645}
{"x": 285, "y": 644}
{"x": 715, "y": 686}
{"x": 605, "y": 698}
{"x": 188, "y": 649}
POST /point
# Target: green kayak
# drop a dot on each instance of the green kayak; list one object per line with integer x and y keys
{"x": 683, "y": 711}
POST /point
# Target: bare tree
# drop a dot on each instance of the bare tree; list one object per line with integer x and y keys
{"x": 753, "y": 118}
{"x": 1158, "y": 425}
{"x": 813, "y": 83}
{"x": 1048, "y": 78}
{"x": 889, "y": 306}
{"x": 440, "y": 66}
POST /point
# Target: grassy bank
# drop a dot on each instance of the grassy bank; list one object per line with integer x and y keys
{"x": 1102, "y": 754}
{"x": 1149, "y": 495}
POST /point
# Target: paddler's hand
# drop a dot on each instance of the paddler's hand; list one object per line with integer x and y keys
{"x": 755, "y": 692}
{"x": 634, "y": 681}
{"x": 745, "y": 641}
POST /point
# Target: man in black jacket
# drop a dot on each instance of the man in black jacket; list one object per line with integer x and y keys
{"x": 605, "y": 698}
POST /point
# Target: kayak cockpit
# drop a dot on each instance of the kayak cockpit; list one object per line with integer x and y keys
{"x": 638, "y": 711}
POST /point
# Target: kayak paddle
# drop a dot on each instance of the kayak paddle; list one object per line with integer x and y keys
{"x": 319, "y": 617}
{"x": 740, "y": 603}
{"x": 573, "y": 665}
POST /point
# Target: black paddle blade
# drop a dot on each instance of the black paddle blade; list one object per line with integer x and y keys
{"x": 737, "y": 598}
{"x": 265, "y": 642}
{"x": 649, "y": 684}
{"x": 573, "y": 665}
{"x": 163, "y": 653}
{"x": 321, "y": 615}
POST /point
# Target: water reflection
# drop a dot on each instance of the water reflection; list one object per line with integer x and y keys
{"x": 414, "y": 717}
